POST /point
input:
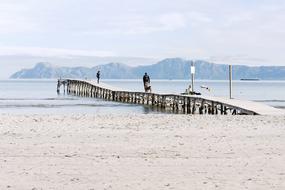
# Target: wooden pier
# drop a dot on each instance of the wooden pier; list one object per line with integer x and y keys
{"x": 175, "y": 103}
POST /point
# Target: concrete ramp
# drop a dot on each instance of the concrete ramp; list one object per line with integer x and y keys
{"x": 259, "y": 108}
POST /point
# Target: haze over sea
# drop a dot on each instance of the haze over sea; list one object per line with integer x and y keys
{"x": 40, "y": 97}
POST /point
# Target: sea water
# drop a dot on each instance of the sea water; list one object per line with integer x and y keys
{"x": 40, "y": 97}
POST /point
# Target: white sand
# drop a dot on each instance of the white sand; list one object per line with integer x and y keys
{"x": 142, "y": 152}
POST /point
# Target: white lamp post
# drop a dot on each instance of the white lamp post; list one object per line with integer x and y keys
{"x": 192, "y": 74}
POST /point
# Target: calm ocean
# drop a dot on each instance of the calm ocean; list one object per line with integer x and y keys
{"x": 40, "y": 97}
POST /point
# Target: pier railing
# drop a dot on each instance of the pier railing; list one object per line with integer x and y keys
{"x": 176, "y": 103}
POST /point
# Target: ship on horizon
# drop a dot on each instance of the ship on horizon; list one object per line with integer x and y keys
{"x": 250, "y": 79}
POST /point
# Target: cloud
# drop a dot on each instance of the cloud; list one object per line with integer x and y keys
{"x": 146, "y": 28}
{"x": 52, "y": 52}
{"x": 171, "y": 22}
{"x": 13, "y": 18}
{"x": 237, "y": 59}
{"x": 141, "y": 24}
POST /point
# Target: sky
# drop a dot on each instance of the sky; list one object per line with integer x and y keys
{"x": 250, "y": 32}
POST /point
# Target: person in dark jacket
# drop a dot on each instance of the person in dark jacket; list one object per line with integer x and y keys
{"x": 98, "y": 76}
{"x": 146, "y": 83}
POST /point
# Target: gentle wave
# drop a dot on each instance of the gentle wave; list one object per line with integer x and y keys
{"x": 280, "y": 107}
{"x": 44, "y": 99}
{"x": 269, "y": 100}
{"x": 66, "y": 105}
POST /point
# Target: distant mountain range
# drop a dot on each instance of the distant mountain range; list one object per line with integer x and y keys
{"x": 174, "y": 68}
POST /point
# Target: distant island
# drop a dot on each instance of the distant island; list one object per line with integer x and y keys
{"x": 172, "y": 68}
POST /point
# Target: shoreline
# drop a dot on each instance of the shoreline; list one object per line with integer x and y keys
{"x": 141, "y": 151}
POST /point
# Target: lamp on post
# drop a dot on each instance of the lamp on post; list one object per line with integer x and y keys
{"x": 192, "y": 74}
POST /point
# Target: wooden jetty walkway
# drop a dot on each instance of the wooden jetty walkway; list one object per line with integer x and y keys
{"x": 176, "y": 103}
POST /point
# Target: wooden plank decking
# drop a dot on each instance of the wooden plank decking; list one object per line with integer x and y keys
{"x": 175, "y": 102}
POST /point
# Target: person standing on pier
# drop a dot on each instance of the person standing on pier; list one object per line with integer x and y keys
{"x": 146, "y": 83}
{"x": 98, "y": 76}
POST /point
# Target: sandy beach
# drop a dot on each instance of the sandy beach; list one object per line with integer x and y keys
{"x": 141, "y": 152}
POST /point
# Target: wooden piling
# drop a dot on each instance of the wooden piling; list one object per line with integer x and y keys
{"x": 177, "y": 103}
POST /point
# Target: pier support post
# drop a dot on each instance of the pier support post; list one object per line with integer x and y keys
{"x": 58, "y": 87}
